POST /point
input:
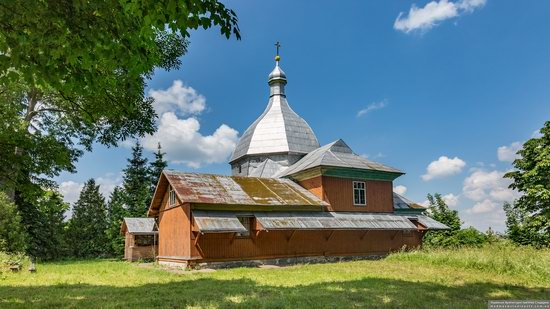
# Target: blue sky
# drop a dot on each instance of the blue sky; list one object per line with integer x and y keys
{"x": 451, "y": 79}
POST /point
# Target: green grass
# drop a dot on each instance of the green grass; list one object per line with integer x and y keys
{"x": 462, "y": 278}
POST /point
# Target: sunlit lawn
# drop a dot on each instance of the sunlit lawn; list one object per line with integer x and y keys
{"x": 465, "y": 278}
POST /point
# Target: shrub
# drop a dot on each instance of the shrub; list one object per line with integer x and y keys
{"x": 12, "y": 232}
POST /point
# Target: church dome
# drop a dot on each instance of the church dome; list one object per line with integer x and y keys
{"x": 278, "y": 129}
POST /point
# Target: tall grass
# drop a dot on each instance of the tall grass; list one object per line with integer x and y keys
{"x": 499, "y": 258}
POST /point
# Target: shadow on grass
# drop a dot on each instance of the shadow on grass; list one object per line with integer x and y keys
{"x": 207, "y": 292}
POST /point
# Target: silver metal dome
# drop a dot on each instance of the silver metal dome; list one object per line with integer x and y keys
{"x": 278, "y": 130}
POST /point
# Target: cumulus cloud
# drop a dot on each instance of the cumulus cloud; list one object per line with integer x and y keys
{"x": 178, "y": 98}
{"x": 433, "y": 13}
{"x": 484, "y": 206}
{"x": 442, "y": 167}
{"x": 372, "y": 107}
{"x": 400, "y": 189}
{"x": 180, "y": 136}
{"x": 71, "y": 189}
{"x": 481, "y": 184}
{"x": 489, "y": 190}
{"x": 450, "y": 199}
{"x": 509, "y": 153}
{"x": 183, "y": 143}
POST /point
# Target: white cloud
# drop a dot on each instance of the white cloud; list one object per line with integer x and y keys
{"x": 183, "y": 143}
{"x": 484, "y": 206}
{"x": 508, "y": 153}
{"x": 444, "y": 166}
{"x": 450, "y": 199}
{"x": 70, "y": 191}
{"x": 372, "y": 107}
{"x": 481, "y": 184}
{"x": 180, "y": 99}
{"x": 179, "y": 136}
{"x": 489, "y": 189}
{"x": 400, "y": 189}
{"x": 432, "y": 13}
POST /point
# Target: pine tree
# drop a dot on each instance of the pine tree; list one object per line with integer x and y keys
{"x": 156, "y": 168}
{"x": 116, "y": 212}
{"x": 87, "y": 235}
{"x": 42, "y": 213}
{"x": 52, "y": 233}
{"x": 136, "y": 183}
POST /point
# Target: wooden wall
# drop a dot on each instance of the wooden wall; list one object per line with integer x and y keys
{"x": 338, "y": 192}
{"x": 280, "y": 244}
{"x": 134, "y": 253}
{"x": 175, "y": 232}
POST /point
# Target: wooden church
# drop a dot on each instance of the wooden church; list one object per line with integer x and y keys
{"x": 288, "y": 198}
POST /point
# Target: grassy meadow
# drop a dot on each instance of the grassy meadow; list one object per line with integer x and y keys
{"x": 462, "y": 278}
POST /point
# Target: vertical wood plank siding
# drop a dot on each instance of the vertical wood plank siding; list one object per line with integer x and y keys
{"x": 280, "y": 244}
{"x": 175, "y": 230}
{"x": 338, "y": 192}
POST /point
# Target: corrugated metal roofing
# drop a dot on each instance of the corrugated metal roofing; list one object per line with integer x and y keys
{"x": 401, "y": 202}
{"x": 337, "y": 154}
{"x": 217, "y": 222}
{"x": 431, "y": 224}
{"x": 140, "y": 225}
{"x": 333, "y": 221}
{"x": 234, "y": 190}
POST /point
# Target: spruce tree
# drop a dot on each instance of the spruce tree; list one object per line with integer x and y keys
{"x": 156, "y": 168}
{"x": 136, "y": 182}
{"x": 116, "y": 212}
{"x": 12, "y": 232}
{"x": 87, "y": 235}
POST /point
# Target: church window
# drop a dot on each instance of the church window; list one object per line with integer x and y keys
{"x": 171, "y": 197}
{"x": 359, "y": 193}
{"x": 247, "y": 223}
{"x": 240, "y": 168}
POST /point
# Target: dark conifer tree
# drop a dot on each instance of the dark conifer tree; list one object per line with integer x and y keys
{"x": 157, "y": 166}
{"x": 136, "y": 183}
{"x": 86, "y": 233}
{"x": 116, "y": 212}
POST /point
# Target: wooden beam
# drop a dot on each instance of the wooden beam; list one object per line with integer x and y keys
{"x": 290, "y": 237}
{"x": 197, "y": 239}
{"x": 330, "y": 235}
{"x": 394, "y": 234}
{"x": 364, "y": 234}
{"x": 232, "y": 238}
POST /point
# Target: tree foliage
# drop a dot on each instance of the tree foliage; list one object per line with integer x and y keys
{"x": 12, "y": 232}
{"x": 43, "y": 217}
{"x": 74, "y": 72}
{"x": 136, "y": 183}
{"x": 116, "y": 212}
{"x": 528, "y": 219}
{"x": 156, "y": 168}
{"x": 86, "y": 234}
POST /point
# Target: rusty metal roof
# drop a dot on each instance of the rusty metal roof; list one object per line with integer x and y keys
{"x": 233, "y": 190}
{"x": 217, "y": 222}
{"x": 139, "y": 225}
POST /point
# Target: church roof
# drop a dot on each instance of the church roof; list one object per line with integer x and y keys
{"x": 278, "y": 129}
{"x": 234, "y": 191}
{"x": 336, "y": 154}
{"x": 267, "y": 169}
